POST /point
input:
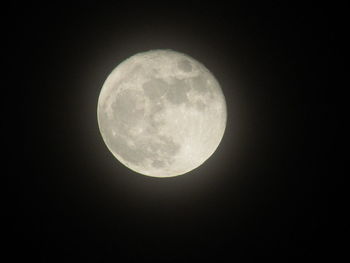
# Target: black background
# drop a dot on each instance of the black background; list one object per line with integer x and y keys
{"x": 260, "y": 193}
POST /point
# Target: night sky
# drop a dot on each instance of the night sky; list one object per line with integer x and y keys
{"x": 258, "y": 195}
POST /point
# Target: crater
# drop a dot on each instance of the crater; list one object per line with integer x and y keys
{"x": 177, "y": 92}
{"x": 199, "y": 84}
{"x": 158, "y": 163}
{"x": 167, "y": 146}
{"x": 155, "y": 88}
{"x": 200, "y": 106}
{"x": 135, "y": 155}
{"x": 159, "y": 149}
{"x": 128, "y": 107}
{"x": 184, "y": 65}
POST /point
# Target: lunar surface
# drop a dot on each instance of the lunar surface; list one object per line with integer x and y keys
{"x": 161, "y": 113}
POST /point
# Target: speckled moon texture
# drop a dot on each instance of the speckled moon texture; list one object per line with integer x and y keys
{"x": 161, "y": 113}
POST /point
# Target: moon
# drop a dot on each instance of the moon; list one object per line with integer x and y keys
{"x": 161, "y": 113}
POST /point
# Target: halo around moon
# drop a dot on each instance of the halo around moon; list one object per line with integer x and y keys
{"x": 161, "y": 113}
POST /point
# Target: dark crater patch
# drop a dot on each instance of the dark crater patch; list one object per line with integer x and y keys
{"x": 200, "y": 106}
{"x": 119, "y": 145}
{"x": 177, "y": 92}
{"x": 126, "y": 108}
{"x": 143, "y": 149}
{"x": 158, "y": 164}
{"x": 155, "y": 88}
{"x": 168, "y": 147}
{"x": 184, "y": 65}
{"x": 199, "y": 84}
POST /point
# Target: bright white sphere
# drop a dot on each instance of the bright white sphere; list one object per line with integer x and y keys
{"x": 161, "y": 113}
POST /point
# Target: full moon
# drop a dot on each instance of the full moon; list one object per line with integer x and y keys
{"x": 161, "y": 113}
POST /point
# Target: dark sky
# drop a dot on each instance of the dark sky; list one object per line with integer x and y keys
{"x": 260, "y": 193}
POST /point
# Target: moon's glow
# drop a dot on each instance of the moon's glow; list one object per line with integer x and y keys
{"x": 161, "y": 113}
